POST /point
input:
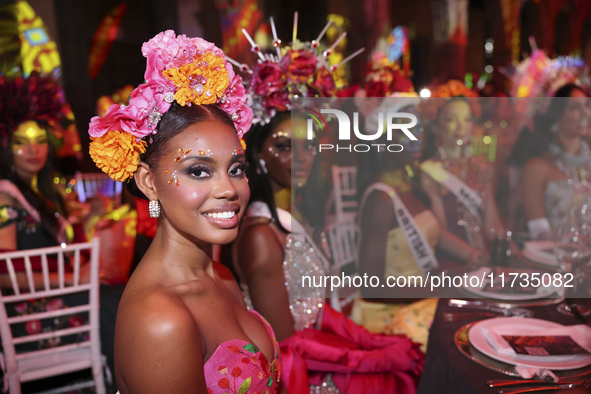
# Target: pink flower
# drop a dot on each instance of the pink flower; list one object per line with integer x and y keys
{"x": 21, "y": 307}
{"x": 299, "y": 65}
{"x": 236, "y": 103}
{"x": 118, "y": 118}
{"x": 33, "y": 327}
{"x": 166, "y": 50}
{"x": 267, "y": 78}
{"x": 146, "y": 97}
{"x": 54, "y": 305}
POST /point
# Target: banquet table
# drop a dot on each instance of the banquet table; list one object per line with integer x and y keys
{"x": 449, "y": 371}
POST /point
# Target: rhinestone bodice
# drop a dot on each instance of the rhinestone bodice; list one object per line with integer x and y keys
{"x": 302, "y": 267}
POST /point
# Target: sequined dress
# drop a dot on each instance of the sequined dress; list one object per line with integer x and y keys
{"x": 301, "y": 260}
{"x": 326, "y": 341}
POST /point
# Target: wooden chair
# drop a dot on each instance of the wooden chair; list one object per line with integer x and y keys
{"x": 344, "y": 180}
{"x": 39, "y": 364}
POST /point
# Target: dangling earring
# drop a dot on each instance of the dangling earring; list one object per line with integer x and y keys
{"x": 154, "y": 208}
{"x": 263, "y": 165}
{"x": 554, "y": 128}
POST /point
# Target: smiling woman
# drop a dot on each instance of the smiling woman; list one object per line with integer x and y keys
{"x": 182, "y": 326}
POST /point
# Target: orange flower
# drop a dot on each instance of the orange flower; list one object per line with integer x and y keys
{"x": 209, "y": 67}
{"x": 117, "y": 154}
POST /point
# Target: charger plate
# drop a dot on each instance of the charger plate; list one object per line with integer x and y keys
{"x": 463, "y": 345}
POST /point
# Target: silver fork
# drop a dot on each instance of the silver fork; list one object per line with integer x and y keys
{"x": 570, "y": 386}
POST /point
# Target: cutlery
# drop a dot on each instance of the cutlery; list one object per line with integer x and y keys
{"x": 567, "y": 386}
{"x": 480, "y": 305}
{"x": 514, "y": 382}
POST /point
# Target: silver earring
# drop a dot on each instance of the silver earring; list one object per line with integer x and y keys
{"x": 554, "y": 128}
{"x": 263, "y": 165}
{"x": 154, "y": 208}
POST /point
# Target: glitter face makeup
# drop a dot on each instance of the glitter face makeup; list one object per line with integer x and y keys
{"x": 236, "y": 152}
{"x": 182, "y": 155}
{"x": 206, "y": 153}
{"x": 30, "y": 148}
{"x": 174, "y": 178}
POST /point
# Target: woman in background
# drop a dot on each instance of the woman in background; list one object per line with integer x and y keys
{"x": 459, "y": 186}
{"x": 554, "y": 157}
{"x": 276, "y": 249}
{"x": 32, "y": 212}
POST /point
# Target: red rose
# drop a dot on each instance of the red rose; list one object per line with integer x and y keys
{"x": 299, "y": 65}
{"x": 324, "y": 82}
{"x": 278, "y": 100}
{"x": 376, "y": 89}
{"x": 267, "y": 78}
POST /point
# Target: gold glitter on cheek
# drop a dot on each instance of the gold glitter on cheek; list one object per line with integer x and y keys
{"x": 174, "y": 178}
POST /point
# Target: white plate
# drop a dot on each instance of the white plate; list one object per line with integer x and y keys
{"x": 478, "y": 340}
{"x": 541, "y": 292}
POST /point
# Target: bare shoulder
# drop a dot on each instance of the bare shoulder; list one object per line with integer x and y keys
{"x": 260, "y": 246}
{"x": 537, "y": 168}
{"x": 157, "y": 344}
{"x": 378, "y": 207}
{"x": 6, "y": 199}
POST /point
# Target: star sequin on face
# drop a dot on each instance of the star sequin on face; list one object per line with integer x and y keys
{"x": 182, "y": 155}
{"x": 174, "y": 178}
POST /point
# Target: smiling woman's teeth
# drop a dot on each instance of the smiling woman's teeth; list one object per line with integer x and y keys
{"x": 221, "y": 215}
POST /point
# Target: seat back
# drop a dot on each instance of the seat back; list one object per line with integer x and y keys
{"x": 343, "y": 241}
{"x": 344, "y": 180}
{"x": 90, "y": 184}
{"x": 49, "y": 285}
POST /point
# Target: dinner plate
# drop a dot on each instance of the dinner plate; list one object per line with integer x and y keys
{"x": 464, "y": 347}
{"x": 525, "y": 325}
{"x": 541, "y": 291}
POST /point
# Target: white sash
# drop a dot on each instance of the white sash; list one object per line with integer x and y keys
{"x": 421, "y": 250}
{"x": 467, "y": 196}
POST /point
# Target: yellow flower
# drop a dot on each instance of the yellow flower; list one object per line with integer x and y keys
{"x": 214, "y": 73}
{"x": 117, "y": 154}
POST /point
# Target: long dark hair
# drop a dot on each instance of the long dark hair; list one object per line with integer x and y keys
{"x": 48, "y": 201}
{"x": 535, "y": 143}
{"x": 176, "y": 120}
{"x": 40, "y": 99}
{"x": 258, "y": 180}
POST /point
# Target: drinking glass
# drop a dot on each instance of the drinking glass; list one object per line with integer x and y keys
{"x": 572, "y": 248}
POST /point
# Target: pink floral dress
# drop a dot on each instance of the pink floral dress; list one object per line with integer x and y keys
{"x": 239, "y": 367}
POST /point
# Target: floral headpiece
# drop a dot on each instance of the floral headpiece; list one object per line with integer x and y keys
{"x": 451, "y": 89}
{"x": 37, "y": 97}
{"x": 298, "y": 70}
{"x": 383, "y": 78}
{"x": 540, "y": 76}
{"x": 186, "y": 70}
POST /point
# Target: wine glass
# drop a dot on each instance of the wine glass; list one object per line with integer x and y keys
{"x": 572, "y": 248}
